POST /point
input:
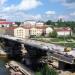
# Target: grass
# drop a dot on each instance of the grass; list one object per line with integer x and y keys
{"x": 72, "y": 45}
{"x": 60, "y": 41}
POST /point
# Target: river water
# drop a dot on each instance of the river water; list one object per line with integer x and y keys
{"x": 3, "y": 70}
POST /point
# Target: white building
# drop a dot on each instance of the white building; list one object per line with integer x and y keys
{"x": 37, "y": 31}
{"x": 21, "y": 32}
{"x": 4, "y": 23}
{"x": 64, "y": 31}
{"x": 39, "y": 23}
{"x": 49, "y": 30}
{"x": 29, "y": 22}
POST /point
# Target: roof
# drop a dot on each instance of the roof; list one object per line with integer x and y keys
{"x": 2, "y": 19}
{"x": 6, "y": 22}
{"x": 10, "y": 28}
{"x": 29, "y": 27}
{"x": 63, "y": 29}
{"x": 41, "y": 27}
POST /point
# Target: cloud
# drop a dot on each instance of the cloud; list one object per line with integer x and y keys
{"x": 72, "y": 14}
{"x": 63, "y": 17}
{"x": 50, "y": 12}
{"x": 20, "y": 16}
{"x": 70, "y": 1}
{"x": 2, "y": 2}
{"x": 67, "y": 3}
{"x": 18, "y": 12}
{"x": 29, "y": 4}
{"x": 37, "y": 17}
{"x": 24, "y": 5}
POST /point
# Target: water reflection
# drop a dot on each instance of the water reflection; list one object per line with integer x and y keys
{"x": 3, "y": 70}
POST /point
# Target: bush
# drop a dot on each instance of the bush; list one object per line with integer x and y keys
{"x": 53, "y": 34}
{"x": 38, "y": 73}
{"x": 48, "y": 71}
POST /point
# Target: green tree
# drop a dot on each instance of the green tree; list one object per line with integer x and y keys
{"x": 38, "y": 73}
{"x": 49, "y": 22}
{"x": 18, "y": 23}
{"x": 53, "y": 34}
{"x": 48, "y": 71}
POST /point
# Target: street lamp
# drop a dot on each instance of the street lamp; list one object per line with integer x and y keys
{"x": 64, "y": 38}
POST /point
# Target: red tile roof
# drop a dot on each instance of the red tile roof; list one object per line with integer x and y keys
{"x": 63, "y": 29}
{"x": 6, "y": 22}
{"x": 10, "y": 28}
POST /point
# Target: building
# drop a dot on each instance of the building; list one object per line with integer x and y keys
{"x": 63, "y": 31}
{"x": 39, "y": 23}
{"x": 48, "y": 30}
{"x": 2, "y": 31}
{"x": 28, "y": 31}
{"x": 7, "y": 31}
{"x": 32, "y": 23}
{"x": 29, "y": 22}
{"x": 10, "y": 31}
{"x": 4, "y": 23}
{"x": 21, "y": 32}
{"x": 37, "y": 30}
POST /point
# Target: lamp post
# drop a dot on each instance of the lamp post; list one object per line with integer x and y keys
{"x": 64, "y": 38}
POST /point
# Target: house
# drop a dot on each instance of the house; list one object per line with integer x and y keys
{"x": 32, "y": 23}
{"x": 2, "y": 31}
{"x": 49, "y": 30}
{"x": 39, "y": 23}
{"x": 21, "y": 32}
{"x": 63, "y": 31}
{"x": 4, "y": 23}
{"x": 10, "y": 31}
{"x": 29, "y": 22}
{"x": 7, "y": 31}
{"x": 37, "y": 30}
{"x": 29, "y": 31}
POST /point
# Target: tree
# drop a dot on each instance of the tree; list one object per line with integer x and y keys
{"x": 38, "y": 73}
{"x": 49, "y": 22}
{"x": 53, "y": 34}
{"x": 18, "y": 23}
{"x": 48, "y": 71}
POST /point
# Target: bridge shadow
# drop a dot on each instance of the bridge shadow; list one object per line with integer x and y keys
{"x": 31, "y": 59}
{"x": 32, "y": 62}
{"x": 67, "y": 67}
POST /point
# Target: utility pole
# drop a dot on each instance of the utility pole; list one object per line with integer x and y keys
{"x": 64, "y": 38}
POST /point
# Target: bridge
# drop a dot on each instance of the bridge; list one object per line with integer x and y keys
{"x": 17, "y": 67}
{"x": 36, "y": 49}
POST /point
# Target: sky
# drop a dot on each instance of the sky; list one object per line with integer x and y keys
{"x": 43, "y": 10}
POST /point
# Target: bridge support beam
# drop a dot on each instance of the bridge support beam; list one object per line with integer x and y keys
{"x": 12, "y": 48}
{"x": 34, "y": 56}
{"x": 66, "y": 66}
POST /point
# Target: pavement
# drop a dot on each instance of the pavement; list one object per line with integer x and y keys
{"x": 67, "y": 73}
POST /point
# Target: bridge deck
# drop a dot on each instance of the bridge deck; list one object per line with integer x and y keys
{"x": 55, "y": 51}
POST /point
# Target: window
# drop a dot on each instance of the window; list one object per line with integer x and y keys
{"x": 20, "y": 33}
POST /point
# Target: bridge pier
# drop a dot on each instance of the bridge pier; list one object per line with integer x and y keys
{"x": 12, "y": 48}
{"x": 61, "y": 65}
{"x": 66, "y": 66}
{"x": 34, "y": 56}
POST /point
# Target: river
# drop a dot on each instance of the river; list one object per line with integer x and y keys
{"x": 3, "y": 70}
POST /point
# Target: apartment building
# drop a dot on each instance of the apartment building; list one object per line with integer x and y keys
{"x": 63, "y": 31}
{"x": 48, "y": 30}
{"x": 36, "y": 31}
{"x": 21, "y": 32}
